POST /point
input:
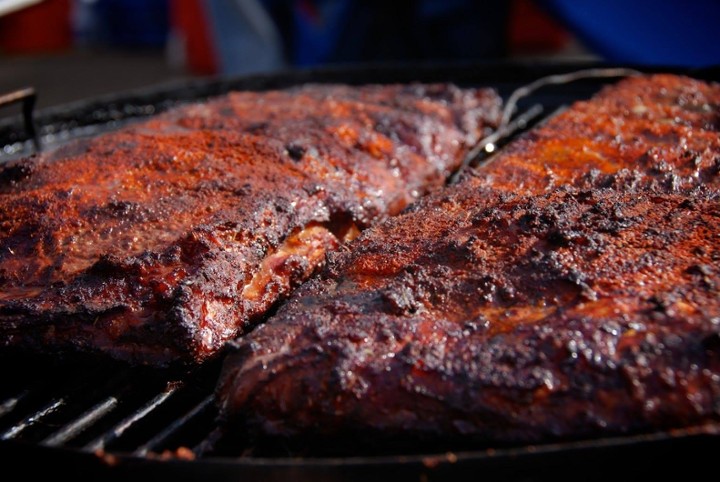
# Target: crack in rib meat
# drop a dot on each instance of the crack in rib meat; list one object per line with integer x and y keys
{"x": 567, "y": 289}
{"x": 159, "y": 242}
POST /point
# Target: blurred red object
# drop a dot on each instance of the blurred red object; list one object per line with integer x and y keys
{"x": 43, "y": 27}
{"x": 189, "y": 22}
{"x": 533, "y": 31}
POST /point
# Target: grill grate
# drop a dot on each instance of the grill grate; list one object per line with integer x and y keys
{"x": 108, "y": 408}
{"x": 167, "y": 424}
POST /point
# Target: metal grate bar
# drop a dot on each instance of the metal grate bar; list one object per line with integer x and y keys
{"x": 179, "y": 423}
{"x": 489, "y": 144}
{"x": 117, "y": 431}
{"x": 77, "y": 426}
{"x": 208, "y": 443}
{"x": 31, "y": 420}
{"x": 28, "y": 98}
{"x": 9, "y": 404}
{"x": 559, "y": 79}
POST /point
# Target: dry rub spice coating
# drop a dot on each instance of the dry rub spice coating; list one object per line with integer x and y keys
{"x": 159, "y": 242}
{"x": 568, "y": 289}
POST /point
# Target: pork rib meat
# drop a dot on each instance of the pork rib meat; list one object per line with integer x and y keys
{"x": 567, "y": 289}
{"x": 156, "y": 243}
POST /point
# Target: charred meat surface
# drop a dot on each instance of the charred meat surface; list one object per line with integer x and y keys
{"x": 567, "y": 289}
{"x": 157, "y": 243}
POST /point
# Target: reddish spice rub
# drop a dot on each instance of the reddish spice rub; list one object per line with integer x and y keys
{"x": 568, "y": 289}
{"x": 157, "y": 243}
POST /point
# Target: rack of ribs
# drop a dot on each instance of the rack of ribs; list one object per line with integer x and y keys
{"x": 158, "y": 242}
{"x": 566, "y": 289}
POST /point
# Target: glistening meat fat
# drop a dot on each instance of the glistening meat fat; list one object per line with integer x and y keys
{"x": 567, "y": 289}
{"x": 157, "y": 243}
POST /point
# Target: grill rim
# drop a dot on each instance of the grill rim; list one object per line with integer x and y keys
{"x": 559, "y": 461}
{"x": 132, "y": 104}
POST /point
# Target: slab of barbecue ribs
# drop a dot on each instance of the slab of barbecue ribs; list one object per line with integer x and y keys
{"x": 157, "y": 243}
{"x": 568, "y": 289}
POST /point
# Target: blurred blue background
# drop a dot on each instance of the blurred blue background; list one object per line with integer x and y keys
{"x": 71, "y": 49}
{"x": 645, "y": 32}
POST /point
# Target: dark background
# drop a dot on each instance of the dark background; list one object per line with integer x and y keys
{"x": 75, "y": 49}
